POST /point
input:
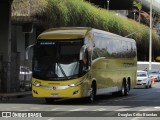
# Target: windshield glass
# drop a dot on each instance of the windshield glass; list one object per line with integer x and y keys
{"x": 141, "y": 74}
{"x": 56, "y": 60}
{"x": 153, "y": 72}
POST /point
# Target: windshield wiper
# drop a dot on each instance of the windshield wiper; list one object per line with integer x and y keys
{"x": 62, "y": 70}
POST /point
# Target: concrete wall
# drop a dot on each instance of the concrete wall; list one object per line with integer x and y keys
{"x": 19, "y": 37}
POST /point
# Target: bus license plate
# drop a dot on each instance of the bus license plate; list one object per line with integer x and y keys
{"x": 54, "y": 95}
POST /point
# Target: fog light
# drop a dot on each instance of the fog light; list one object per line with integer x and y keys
{"x": 75, "y": 92}
{"x": 35, "y": 92}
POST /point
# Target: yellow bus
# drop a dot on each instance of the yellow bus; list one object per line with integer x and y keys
{"x": 76, "y": 62}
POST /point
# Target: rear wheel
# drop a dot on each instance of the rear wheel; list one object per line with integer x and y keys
{"x": 125, "y": 89}
{"x": 150, "y": 86}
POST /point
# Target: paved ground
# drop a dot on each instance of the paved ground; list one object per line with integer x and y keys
{"x": 139, "y": 100}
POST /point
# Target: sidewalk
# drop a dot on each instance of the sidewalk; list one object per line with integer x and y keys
{"x": 13, "y": 95}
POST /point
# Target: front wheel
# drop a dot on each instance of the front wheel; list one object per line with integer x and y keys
{"x": 147, "y": 86}
{"x": 92, "y": 95}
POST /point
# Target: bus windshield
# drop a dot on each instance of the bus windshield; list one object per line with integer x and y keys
{"x": 56, "y": 60}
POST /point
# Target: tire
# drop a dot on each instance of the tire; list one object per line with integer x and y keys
{"x": 92, "y": 95}
{"x": 147, "y": 86}
{"x": 125, "y": 89}
{"x": 150, "y": 86}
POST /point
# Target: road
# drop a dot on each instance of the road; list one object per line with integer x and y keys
{"x": 139, "y": 100}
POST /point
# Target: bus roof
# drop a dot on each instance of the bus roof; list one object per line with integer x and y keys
{"x": 65, "y": 33}
{"x": 74, "y": 33}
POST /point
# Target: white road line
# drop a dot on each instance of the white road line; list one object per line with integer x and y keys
{"x": 123, "y": 109}
{"x": 100, "y": 109}
{"x": 24, "y": 110}
{"x": 137, "y": 118}
{"x": 146, "y": 109}
{"x": 157, "y": 107}
{"x": 58, "y": 109}
{"x": 51, "y": 119}
{"x": 78, "y": 109}
{"x": 35, "y": 108}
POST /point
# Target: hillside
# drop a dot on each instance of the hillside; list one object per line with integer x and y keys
{"x": 60, "y": 13}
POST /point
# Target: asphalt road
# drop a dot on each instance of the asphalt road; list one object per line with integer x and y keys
{"x": 140, "y": 100}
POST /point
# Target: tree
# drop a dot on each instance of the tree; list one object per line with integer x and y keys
{"x": 138, "y": 5}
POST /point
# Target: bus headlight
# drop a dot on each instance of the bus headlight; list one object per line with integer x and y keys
{"x": 76, "y": 84}
{"x": 36, "y": 84}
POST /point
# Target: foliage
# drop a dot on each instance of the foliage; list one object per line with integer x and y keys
{"x": 138, "y": 5}
{"x": 61, "y": 13}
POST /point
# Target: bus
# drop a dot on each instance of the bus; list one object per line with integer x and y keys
{"x": 77, "y": 62}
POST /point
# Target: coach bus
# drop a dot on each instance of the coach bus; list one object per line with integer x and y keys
{"x": 76, "y": 62}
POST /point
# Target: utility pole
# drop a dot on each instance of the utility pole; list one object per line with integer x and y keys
{"x": 150, "y": 40}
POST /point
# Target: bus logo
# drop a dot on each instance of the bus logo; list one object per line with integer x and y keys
{"x": 54, "y": 88}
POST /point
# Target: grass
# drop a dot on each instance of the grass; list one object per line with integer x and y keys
{"x": 60, "y": 13}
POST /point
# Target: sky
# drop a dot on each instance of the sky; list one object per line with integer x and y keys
{"x": 158, "y": 1}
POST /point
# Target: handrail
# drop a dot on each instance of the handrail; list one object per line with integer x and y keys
{"x": 27, "y": 50}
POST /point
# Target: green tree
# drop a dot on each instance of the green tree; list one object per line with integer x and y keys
{"x": 138, "y": 5}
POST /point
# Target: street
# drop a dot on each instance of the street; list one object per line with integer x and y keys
{"x": 139, "y": 99}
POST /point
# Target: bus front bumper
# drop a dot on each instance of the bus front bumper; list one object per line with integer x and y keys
{"x": 57, "y": 91}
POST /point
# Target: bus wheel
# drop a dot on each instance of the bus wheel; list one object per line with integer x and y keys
{"x": 147, "y": 86}
{"x": 125, "y": 89}
{"x": 92, "y": 95}
{"x": 49, "y": 100}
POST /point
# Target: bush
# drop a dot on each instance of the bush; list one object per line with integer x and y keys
{"x": 61, "y": 13}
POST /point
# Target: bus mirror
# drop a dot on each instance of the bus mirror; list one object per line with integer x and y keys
{"x": 89, "y": 67}
{"x": 27, "y": 51}
{"x": 82, "y": 52}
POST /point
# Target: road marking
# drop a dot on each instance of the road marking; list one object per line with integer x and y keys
{"x": 35, "y": 108}
{"x": 100, "y": 109}
{"x": 78, "y": 109}
{"x": 123, "y": 109}
{"x": 58, "y": 109}
{"x": 158, "y": 107}
{"x": 137, "y": 118}
{"x": 24, "y": 110}
{"x": 50, "y": 119}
